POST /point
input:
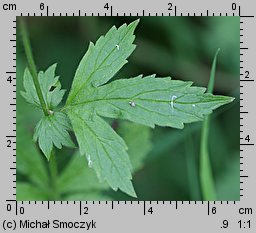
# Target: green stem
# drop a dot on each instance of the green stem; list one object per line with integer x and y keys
{"x": 53, "y": 168}
{"x": 31, "y": 64}
{"x": 206, "y": 177}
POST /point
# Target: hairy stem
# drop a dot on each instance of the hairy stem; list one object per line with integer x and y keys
{"x": 206, "y": 177}
{"x": 31, "y": 64}
{"x": 53, "y": 175}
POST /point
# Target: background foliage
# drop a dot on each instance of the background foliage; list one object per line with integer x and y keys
{"x": 165, "y": 160}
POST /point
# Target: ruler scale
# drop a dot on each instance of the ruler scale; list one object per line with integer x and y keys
{"x": 125, "y": 216}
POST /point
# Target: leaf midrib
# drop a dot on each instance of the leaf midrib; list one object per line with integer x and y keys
{"x": 147, "y": 100}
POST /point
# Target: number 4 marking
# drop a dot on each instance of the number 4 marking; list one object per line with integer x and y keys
{"x": 9, "y": 79}
{"x": 106, "y": 6}
{"x": 150, "y": 210}
{"x": 247, "y": 138}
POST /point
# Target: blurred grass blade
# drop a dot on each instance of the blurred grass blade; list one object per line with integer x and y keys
{"x": 206, "y": 178}
{"x": 212, "y": 74}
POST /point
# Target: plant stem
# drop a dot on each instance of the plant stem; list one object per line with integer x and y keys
{"x": 53, "y": 175}
{"x": 206, "y": 177}
{"x": 32, "y": 68}
{"x": 31, "y": 64}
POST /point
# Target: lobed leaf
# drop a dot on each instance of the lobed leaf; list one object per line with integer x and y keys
{"x": 151, "y": 101}
{"x": 103, "y": 60}
{"x": 148, "y": 101}
{"x": 104, "y": 149}
{"x": 53, "y": 130}
{"x": 50, "y": 86}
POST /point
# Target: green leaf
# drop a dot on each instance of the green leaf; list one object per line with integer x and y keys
{"x": 103, "y": 60}
{"x": 104, "y": 149}
{"x": 53, "y": 130}
{"x": 50, "y": 86}
{"x": 78, "y": 178}
{"x": 151, "y": 101}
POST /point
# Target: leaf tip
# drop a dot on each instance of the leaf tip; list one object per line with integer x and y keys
{"x": 134, "y": 195}
{"x": 54, "y": 65}
{"x": 134, "y": 23}
{"x": 231, "y": 99}
{"x": 129, "y": 190}
{"x": 137, "y": 20}
{"x": 228, "y": 99}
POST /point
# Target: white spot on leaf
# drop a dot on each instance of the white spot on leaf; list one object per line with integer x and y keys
{"x": 50, "y": 112}
{"x": 117, "y": 47}
{"x": 193, "y": 105}
{"x": 89, "y": 161}
{"x": 172, "y": 100}
{"x": 132, "y": 103}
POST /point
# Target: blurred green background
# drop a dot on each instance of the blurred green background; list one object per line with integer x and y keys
{"x": 165, "y": 160}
